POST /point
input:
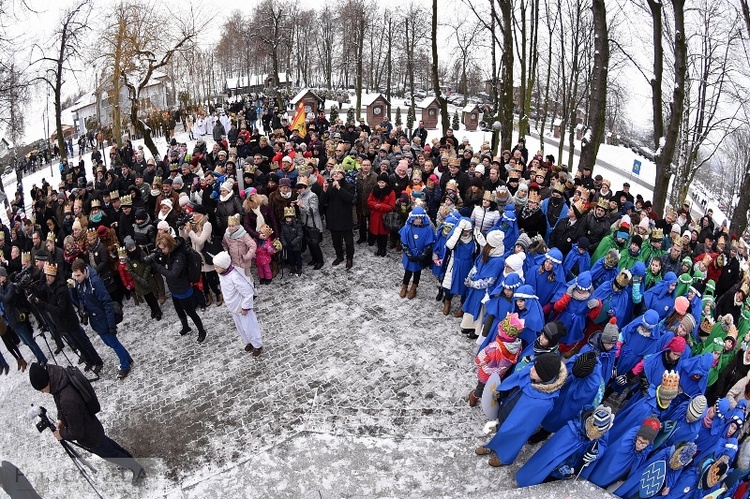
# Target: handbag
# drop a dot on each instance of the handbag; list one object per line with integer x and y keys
{"x": 211, "y": 248}
{"x": 313, "y": 235}
{"x": 392, "y": 221}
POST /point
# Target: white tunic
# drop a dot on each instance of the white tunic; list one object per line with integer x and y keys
{"x": 238, "y": 292}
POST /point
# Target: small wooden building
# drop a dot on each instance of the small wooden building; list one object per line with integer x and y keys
{"x": 471, "y": 116}
{"x": 311, "y": 100}
{"x": 430, "y": 112}
{"x": 376, "y": 107}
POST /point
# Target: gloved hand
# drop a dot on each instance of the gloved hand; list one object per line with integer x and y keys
{"x": 611, "y": 312}
{"x": 621, "y": 380}
{"x": 590, "y": 456}
{"x": 71, "y": 283}
{"x": 570, "y": 289}
{"x": 214, "y": 195}
{"x": 464, "y": 224}
{"x": 592, "y": 303}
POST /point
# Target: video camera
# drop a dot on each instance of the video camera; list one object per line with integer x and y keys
{"x": 44, "y": 420}
{"x": 23, "y": 279}
{"x": 183, "y": 219}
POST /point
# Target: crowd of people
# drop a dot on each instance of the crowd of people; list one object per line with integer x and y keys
{"x": 575, "y": 294}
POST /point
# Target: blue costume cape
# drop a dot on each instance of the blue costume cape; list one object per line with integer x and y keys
{"x": 607, "y": 358}
{"x": 600, "y": 273}
{"x": 534, "y": 317}
{"x": 545, "y": 207}
{"x": 620, "y": 459}
{"x": 526, "y": 416}
{"x": 439, "y": 247}
{"x": 499, "y": 305}
{"x": 694, "y": 373}
{"x": 658, "y": 296}
{"x": 635, "y": 346}
{"x": 463, "y": 259}
{"x": 574, "y": 257}
{"x": 675, "y": 427}
{"x": 567, "y": 446}
{"x": 619, "y": 301}
{"x": 574, "y": 396}
{"x": 508, "y": 223}
{"x": 667, "y": 336}
{"x": 545, "y": 289}
{"x": 634, "y": 415}
{"x": 486, "y": 274}
{"x": 632, "y": 485}
{"x": 417, "y": 240}
{"x": 696, "y": 309}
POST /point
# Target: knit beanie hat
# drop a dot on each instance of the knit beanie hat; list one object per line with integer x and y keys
{"x": 649, "y": 429}
{"x": 495, "y": 238}
{"x": 611, "y": 333}
{"x": 696, "y": 408}
{"x": 599, "y": 422}
{"x": 222, "y": 260}
{"x": 584, "y": 365}
{"x": 688, "y": 322}
{"x": 524, "y": 241}
{"x": 637, "y": 240}
{"x": 547, "y": 366}
{"x": 38, "y": 376}
{"x": 681, "y": 305}
{"x": 554, "y": 331}
{"x": 676, "y": 344}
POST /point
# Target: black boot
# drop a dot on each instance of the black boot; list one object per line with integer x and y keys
{"x": 185, "y": 329}
{"x": 539, "y": 436}
{"x": 439, "y": 294}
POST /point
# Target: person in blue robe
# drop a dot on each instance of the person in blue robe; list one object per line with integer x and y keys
{"x": 583, "y": 388}
{"x": 508, "y": 224}
{"x": 482, "y": 277}
{"x": 578, "y": 259}
{"x": 572, "y": 307}
{"x": 500, "y": 304}
{"x": 526, "y": 397}
{"x": 723, "y": 430}
{"x": 458, "y": 258}
{"x": 694, "y": 373}
{"x": 547, "y": 342}
{"x": 651, "y": 369}
{"x": 614, "y": 298}
{"x": 441, "y": 236}
{"x": 676, "y": 458}
{"x": 638, "y": 339}
{"x": 417, "y": 239}
{"x": 605, "y": 268}
{"x": 547, "y": 278}
{"x": 696, "y": 307}
{"x": 604, "y": 344}
{"x": 622, "y": 455}
{"x": 574, "y": 447}
{"x": 530, "y": 310}
{"x": 682, "y": 421}
{"x": 545, "y": 209}
{"x": 661, "y": 296}
{"x": 657, "y": 402}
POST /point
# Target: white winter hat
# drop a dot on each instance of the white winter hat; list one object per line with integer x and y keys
{"x": 222, "y": 260}
{"x": 227, "y": 185}
{"x": 163, "y": 225}
{"x": 167, "y": 202}
{"x": 515, "y": 261}
{"x": 495, "y": 238}
{"x": 286, "y": 159}
{"x": 184, "y": 199}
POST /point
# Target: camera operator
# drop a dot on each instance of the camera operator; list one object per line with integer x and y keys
{"x": 77, "y": 423}
{"x": 16, "y": 310}
{"x": 91, "y": 297}
{"x": 54, "y": 301}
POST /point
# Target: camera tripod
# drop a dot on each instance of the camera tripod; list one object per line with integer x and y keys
{"x": 79, "y": 461}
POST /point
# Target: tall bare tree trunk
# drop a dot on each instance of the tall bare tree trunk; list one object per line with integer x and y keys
{"x": 506, "y": 99}
{"x": 445, "y": 120}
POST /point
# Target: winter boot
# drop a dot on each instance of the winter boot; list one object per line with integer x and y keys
{"x": 439, "y": 294}
{"x": 219, "y": 299}
{"x": 201, "y": 336}
{"x": 209, "y": 299}
{"x": 412, "y": 292}
{"x": 185, "y": 328}
{"x": 404, "y": 287}
{"x": 458, "y": 313}
{"x": 539, "y": 436}
{"x": 21, "y": 364}
{"x": 473, "y": 399}
{"x": 446, "y": 307}
{"x": 349, "y": 264}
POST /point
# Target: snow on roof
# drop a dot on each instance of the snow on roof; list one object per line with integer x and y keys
{"x": 85, "y": 100}
{"x": 368, "y": 99}
{"x": 252, "y": 81}
{"x": 470, "y": 107}
{"x": 426, "y": 102}
{"x": 301, "y": 94}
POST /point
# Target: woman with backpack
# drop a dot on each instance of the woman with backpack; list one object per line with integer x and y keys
{"x": 170, "y": 260}
{"x": 200, "y": 234}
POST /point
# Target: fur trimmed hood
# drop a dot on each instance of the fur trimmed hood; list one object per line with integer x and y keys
{"x": 555, "y": 384}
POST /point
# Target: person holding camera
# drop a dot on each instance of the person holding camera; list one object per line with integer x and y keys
{"x": 96, "y": 307}
{"x": 338, "y": 196}
{"x": 77, "y": 422}
{"x": 169, "y": 259}
{"x": 16, "y": 312}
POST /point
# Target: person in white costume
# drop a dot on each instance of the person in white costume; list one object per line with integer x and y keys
{"x": 238, "y": 292}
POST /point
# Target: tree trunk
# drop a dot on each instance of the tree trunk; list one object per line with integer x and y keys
{"x": 445, "y": 121}
{"x": 506, "y": 99}
{"x": 594, "y": 133}
{"x": 738, "y": 223}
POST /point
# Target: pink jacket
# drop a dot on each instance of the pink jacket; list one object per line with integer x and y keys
{"x": 241, "y": 250}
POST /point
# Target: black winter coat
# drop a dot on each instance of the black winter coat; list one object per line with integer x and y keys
{"x": 339, "y": 206}
{"x": 173, "y": 268}
{"x": 291, "y": 236}
{"x": 79, "y": 424}
{"x": 564, "y": 235}
{"x": 594, "y": 229}
{"x": 59, "y": 306}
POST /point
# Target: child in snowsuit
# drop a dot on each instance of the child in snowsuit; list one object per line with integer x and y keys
{"x": 499, "y": 356}
{"x": 291, "y": 236}
{"x": 417, "y": 238}
{"x": 143, "y": 278}
{"x": 125, "y": 277}
{"x": 238, "y": 292}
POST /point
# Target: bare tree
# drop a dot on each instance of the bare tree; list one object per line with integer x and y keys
{"x": 444, "y": 120}
{"x": 526, "y": 22}
{"x": 66, "y": 44}
{"x": 274, "y": 16}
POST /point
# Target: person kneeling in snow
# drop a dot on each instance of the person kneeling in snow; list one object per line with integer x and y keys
{"x": 238, "y": 294}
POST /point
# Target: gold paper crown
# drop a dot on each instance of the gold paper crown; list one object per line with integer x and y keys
{"x": 488, "y": 196}
{"x": 51, "y": 236}
{"x": 96, "y": 204}
{"x": 173, "y": 167}
{"x": 78, "y": 202}
{"x": 122, "y": 252}
{"x": 25, "y": 257}
{"x": 289, "y": 212}
{"x": 455, "y": 162}
{"x": 511, "y": 325}
{"x": 114, "y": 195}
{"x": 266, "y": 229}
{"x": 514, "y": 174}
{"x": 126, "y": 200}
{"x": 157, "y": 182}
{"x": 535, "y": 196}
{"x": 670, "y": 381}
{"x": 50, "y": 268}
{"x": 250, "y": 168}
{"x": 602, "y": 203}
{"x": 657, "y": 234}
{"x": 559, "y": 187}
{"x": 233, "y": 220}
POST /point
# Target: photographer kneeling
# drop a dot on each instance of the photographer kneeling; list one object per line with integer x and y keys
{"x": 77, "y": 423}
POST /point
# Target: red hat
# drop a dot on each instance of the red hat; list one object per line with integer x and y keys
{"x": 677, "y": 344}
{"x": 102, "y": 231}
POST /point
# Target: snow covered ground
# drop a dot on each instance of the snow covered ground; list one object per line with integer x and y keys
{"x": 358, "y": 393}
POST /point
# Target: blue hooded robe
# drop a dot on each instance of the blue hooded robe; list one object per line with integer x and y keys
{"x": 573, "y": 258}
{"x": 534, "y": 402}
{"x": 636, "y": 346}
{"x": 607, "y": 358}
{"x": 451, "y": 220}
{"x": 620, "y": 459}
{"x": 566, "y": 447}
{"x": 634, "y": 415}
{"x": 659, "y": 298}
{"x": 574, "y": 396}
{"x": 538, "y": 279}
{"x": 632, "y": 485}
{"x": 575, "y": 315}
{"x": 484, "y": 275}
{"x": 675, "y": 427}
{"x": 417, "y": 240}
{"x": 532, "y": 314}
{"x": 612, "y": 299}
{"x": 694, "y": 373}
{"x": 600, "y": 273}
{"x": 499, "y": 305}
